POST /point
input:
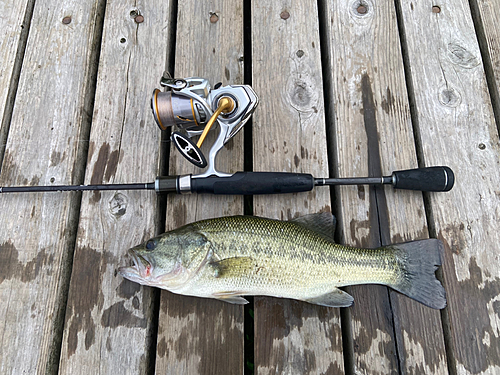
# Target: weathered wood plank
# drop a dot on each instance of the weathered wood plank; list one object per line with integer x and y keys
{"x": 11, "y": 23}
{"x": 487, "y": 12}
{"x": 109, "y": 317}
{"x": 38, "y": 230}
{"x": 456, "y": 127}
{"x": 289, "y": 135}
{"x": 373, "y": 136}
{"x": 195, "y": 335}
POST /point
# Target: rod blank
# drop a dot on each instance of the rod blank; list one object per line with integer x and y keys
{"x": 353, "y": 181}
{"x": 41, "y": 189}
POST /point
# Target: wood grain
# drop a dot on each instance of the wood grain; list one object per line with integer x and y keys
{"x": 373, "y": 136}
{"x": 109, "y": 317}
{"x": 11, "y": 24}
{"x": 289, "y": 135}
{"x": 456, "y": 128}
{"x": 38, "y": 230}
{"x": 195, "y": 335}
{"x": 488, "y": 34}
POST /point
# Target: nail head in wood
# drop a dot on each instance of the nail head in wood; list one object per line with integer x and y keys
{"x": 362, "y": 9}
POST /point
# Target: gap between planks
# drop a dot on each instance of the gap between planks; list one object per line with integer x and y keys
{"x": 482, "y": 40}
{"x": 163, "y": 168}
{"x": 326, "y": 68}
{"x": 78, "y": 179}
{"x": 14, "y": 81}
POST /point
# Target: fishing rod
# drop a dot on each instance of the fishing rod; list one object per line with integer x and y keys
{"x": 254, "y": 183}
{"x": 194, "y": 108}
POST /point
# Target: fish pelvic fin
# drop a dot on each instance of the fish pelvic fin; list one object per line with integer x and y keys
{"x": 419, "y": 260}
{"x": 336, "y": 298}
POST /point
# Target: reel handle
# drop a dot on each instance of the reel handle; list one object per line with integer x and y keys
{"x": 225, "y": 105}
{"x": 189, "y": 149}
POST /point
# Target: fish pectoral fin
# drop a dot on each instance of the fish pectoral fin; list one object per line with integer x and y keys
{"x": 336, "y": 298}
{"x": 231, "y": 297}
{"x": 236, "y": 266}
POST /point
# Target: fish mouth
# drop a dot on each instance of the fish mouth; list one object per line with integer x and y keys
{"x": 138, "y": 271}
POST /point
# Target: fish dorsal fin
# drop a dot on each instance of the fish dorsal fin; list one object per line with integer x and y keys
{"x": 336, "y": 298}
{"x": 236, "y": 266}
{"x": 323, "y": 223}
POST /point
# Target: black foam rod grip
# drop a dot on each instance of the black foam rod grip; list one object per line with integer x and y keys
{"x": 252, "y": 183}
{"x": 424, "y": 179}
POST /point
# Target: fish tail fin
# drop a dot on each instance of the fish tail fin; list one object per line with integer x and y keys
{"x": 419, "y": 260}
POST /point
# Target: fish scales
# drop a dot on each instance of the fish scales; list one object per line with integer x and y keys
{"x": 289, "y": 255}
{"x": 230, "y": 257}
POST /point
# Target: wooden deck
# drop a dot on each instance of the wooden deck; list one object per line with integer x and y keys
{"x": 346, "y": 88}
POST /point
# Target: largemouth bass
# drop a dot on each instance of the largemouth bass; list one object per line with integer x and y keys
{"x": 230, "y": 257}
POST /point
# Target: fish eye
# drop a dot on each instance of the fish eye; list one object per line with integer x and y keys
{"x": 151, "y": 244}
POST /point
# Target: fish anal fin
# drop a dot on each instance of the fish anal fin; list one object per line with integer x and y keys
{"x": 335, "y": 298}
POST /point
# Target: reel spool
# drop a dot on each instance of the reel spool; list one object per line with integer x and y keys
{"x": 194, "y": 107}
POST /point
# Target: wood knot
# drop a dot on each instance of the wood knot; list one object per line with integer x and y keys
{"x": 361, "y": 8}
{"x": 301, "y": 95}
{"x": 449, "y": 97}
{"x": 461, "y": 56}
{"x": 118, "y": 205}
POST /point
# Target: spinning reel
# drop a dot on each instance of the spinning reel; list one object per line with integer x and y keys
{"x": 191, "y": 105}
